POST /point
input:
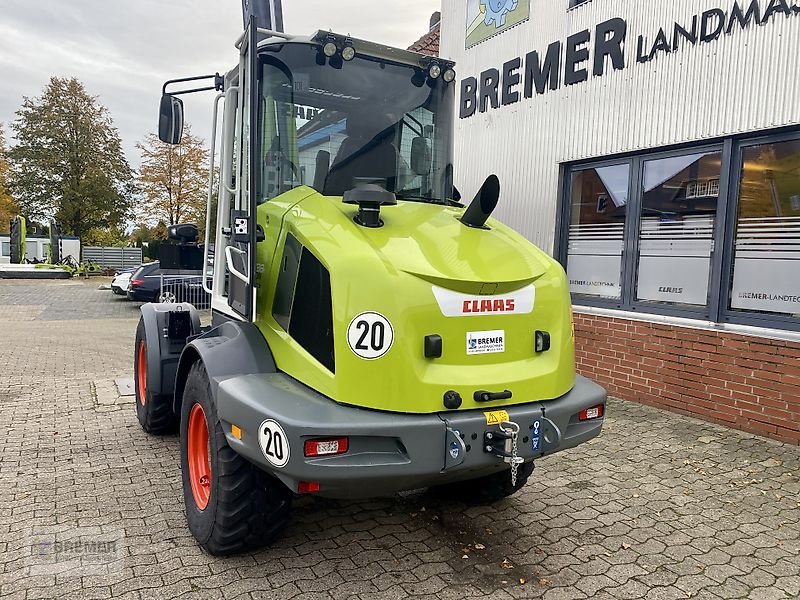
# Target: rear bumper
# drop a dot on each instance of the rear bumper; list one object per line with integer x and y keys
{"x": 141, "y": 295}
{"x": 391, "y": 452}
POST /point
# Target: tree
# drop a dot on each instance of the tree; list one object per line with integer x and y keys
{"x": 8, "y": 207}
{"x": 174, "y": 179}
{"x": 68, "y": 161}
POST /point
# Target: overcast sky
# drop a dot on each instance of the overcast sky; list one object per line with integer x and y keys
{"x": 123, "y": 50}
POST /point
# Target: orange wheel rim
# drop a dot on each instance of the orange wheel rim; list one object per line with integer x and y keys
{"x": 141, "y": 372}
{"x": 199, "y": 464}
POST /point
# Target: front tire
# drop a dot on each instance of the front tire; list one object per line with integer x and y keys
{"x": 231, "y": 505}
{"x": 154, "y": 411}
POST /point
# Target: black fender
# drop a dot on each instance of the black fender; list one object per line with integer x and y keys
{"x": 163, "y": 353}
{"x": 230, "y": 349}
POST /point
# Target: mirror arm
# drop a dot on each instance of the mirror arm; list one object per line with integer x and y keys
{"x": 219, "y": 83}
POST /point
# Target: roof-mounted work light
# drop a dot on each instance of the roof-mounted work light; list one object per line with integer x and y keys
{"x": 348, "y": 51}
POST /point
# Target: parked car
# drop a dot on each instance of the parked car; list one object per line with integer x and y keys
{"x": 119, "y": 285}
{"x": 178, "y": 285}
{"x": 145, "y": 284}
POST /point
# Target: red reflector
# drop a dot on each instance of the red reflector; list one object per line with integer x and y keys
{"x": 588, "y": 414}
{"x": 326, "y": 447}
{"x": 137, "y": 281}
{"x": 307, "y": 487}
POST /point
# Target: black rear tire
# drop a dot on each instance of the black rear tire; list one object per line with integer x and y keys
{"x": 488, "y": 489}
{"x": 247, "y": 508}
{"x": 154, "y": 411}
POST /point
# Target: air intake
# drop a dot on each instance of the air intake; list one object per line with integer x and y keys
{"x": 484, "y": 203}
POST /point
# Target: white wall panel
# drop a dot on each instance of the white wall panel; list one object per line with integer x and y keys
{"x": 746, "y": 81}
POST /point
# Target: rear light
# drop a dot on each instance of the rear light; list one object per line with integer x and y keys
{"x": 587, "y": 414}
{"x": 326, "y": 447}
{"x": 307, "y": 487}
{"x": 137, "y": 281}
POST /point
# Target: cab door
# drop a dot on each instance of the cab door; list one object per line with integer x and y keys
{"x": 242, "y": 232}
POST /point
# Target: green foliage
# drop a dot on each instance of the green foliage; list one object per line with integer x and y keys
{"x": 112, "y": 236}
{"x": 8, "y": 207}
{"x": 158, "y": 235}
{"x": 68, "y": 161}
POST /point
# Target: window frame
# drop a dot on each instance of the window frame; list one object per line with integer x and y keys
{"x": 732, "y": 315}
{"x": 566, "y": 219}
{"x": 722, "y": 256}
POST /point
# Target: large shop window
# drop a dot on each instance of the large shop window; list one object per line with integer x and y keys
{"x": 766, "y": 260}
{"x": 706, "y": 232}
{"x": 676, "y": 228}
{"x": 596, "y": 230}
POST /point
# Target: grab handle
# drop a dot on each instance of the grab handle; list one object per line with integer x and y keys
{"x": 484, "y": 396}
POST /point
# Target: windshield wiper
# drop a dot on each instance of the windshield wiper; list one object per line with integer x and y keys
{"x": 418, "y": 198}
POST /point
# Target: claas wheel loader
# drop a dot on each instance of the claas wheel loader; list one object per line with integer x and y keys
{"x": 369, "y": 333}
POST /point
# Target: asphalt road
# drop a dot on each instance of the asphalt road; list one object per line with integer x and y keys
{"x": 660, "y": 506}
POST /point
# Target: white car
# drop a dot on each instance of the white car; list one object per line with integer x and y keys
{"x": 119, "y": 285}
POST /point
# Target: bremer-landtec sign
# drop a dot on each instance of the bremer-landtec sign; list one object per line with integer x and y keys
{"x": 518, "y": 79}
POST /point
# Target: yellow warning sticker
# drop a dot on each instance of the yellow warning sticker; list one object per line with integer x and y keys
{"x": 496, "y": 417}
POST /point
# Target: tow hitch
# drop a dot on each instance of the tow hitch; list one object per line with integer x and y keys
{"x": 502, "y": 442}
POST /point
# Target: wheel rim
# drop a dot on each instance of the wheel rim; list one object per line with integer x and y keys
{"x": 141, "y": 372}
{"x": 198, "y": 452}
{"x": 167, "y": 298}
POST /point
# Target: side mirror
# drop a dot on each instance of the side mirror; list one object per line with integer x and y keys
{"x": 170, "y": 119}
{"x": 420, "y": 156}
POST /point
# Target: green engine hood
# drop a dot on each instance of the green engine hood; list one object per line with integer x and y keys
{"x": 425, "y": 274}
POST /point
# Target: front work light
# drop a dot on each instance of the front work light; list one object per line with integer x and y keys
{"x": 434, "y": 71}
{"x": 449, "y": 75}
{"x": 329, "y": 49}
{"x": 348, "y": 53}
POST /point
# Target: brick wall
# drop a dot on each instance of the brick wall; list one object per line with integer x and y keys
{"x": 749, "y": 383}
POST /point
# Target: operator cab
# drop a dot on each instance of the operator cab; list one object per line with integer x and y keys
{"x": 337, "y": 113}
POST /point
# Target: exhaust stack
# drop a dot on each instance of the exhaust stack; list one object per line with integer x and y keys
{"x": 484, "y": 203}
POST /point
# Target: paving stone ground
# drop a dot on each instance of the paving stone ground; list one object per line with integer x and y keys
{"x": 659, "y": 506}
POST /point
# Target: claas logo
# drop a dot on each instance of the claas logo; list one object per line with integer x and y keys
{"x": 488, "y": 306}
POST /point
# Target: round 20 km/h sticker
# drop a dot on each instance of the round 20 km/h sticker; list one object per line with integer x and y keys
{"x": 370, "y": 335}
{"x": 274, "y": 443}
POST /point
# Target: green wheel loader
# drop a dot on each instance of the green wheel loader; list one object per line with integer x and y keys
{"x": 369, "y": 333}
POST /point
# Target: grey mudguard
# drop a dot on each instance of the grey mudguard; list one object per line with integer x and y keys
{"x": 163, "y": 353}
{"x": 388, "y": 452}
{"x": 229, "y": 349}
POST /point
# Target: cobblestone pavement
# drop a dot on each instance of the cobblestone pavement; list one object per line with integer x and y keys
{"x": 659, "y": 507}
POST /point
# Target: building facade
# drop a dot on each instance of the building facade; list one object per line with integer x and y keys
{"x": 654, "y": 149}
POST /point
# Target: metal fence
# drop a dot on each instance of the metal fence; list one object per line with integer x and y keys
{"x": 113, "y": 258}
{"x": 184, "y": 288}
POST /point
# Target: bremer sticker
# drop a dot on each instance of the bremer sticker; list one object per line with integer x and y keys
{"x": 486, "y": 342}
{"x": 455, "y": 304}
{"x": 370, "y": 335}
